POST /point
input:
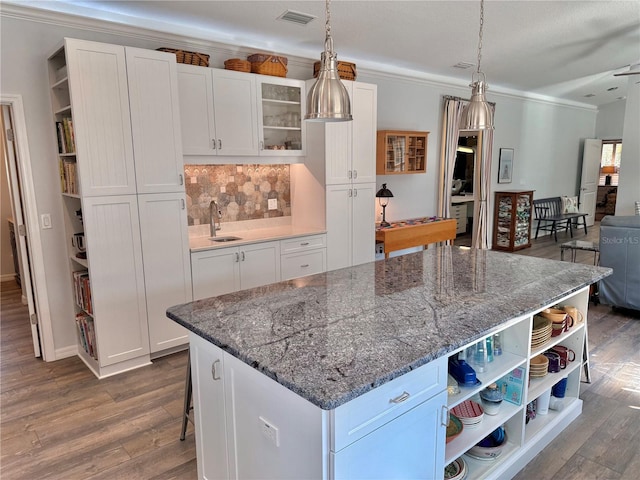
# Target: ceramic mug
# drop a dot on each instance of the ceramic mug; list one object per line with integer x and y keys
{"x": 554, "y": 361}
{"x": 558, "y": 327}
{"x": 566, "y": 355}
{"x": 78, "y": 241}
{"x": 574, "y": 313}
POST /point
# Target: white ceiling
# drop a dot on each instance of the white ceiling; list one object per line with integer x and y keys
{"x": 563, "y": 49}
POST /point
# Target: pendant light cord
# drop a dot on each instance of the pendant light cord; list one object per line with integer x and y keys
{"x": 328, "y": 41}
{"x": 480, "y": 37}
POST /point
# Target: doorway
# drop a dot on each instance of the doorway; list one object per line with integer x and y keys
{"x": 464, "y": 186}
{"x": 20, "y": 191}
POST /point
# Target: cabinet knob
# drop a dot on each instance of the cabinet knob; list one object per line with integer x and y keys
{"x": 400, "y": 398}
{"x": 214, "y": 373}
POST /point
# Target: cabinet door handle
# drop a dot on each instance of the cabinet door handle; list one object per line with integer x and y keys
{"x": 349, "y": 174}
{"x": 355, "y": 174}
{"x": 213, "y": 143}
{"x": 350, "y": 192}
{"x": 304, "y": 244}
{"x": 261, "y": 145}
{"x": 444, "y": 416}
{"x": 242, "y": 254}
{"x": 214, "y": 373}
{"x": 181, "y": 179}
{"x": 304, "y": 266}
{"x": 355, "y": 192}
{"x": 219, "y": 144}
{"x": 237, "y": 257}
{"x": 183, "y": 204}
{"x": 400, "y": 398}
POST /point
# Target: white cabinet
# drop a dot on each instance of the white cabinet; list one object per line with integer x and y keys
{"x": 350, "y": 224}
{"x": 167, "y": 266}
{"x": 303, "y": 256}
{"x": 394, "y": 431}
{"x": 229, "y": 113}
{"x": 207, "y": 371}
{"x": 345, "y": 152}
{"x": 459, "y": 212}
{"x": 97, "y": 79}
{"x": 114, "y": 253}
{"x": 225, "y": 270}
{"x": 155, "y": 120}
{"x": 281, "y": 110}
{"x": 119, "y": 107}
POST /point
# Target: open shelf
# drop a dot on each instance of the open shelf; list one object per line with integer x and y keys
{"x": 543, "y": 424}
{"x": 484, "y": 468}
{"x": 472, "y": 435}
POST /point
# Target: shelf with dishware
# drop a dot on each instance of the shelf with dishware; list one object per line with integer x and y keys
{"x": 521, "y": 375}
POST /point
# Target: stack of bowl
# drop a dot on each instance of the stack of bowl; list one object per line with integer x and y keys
{"x": 469, "y": 412}
{"x": 558, "y": 318}
{"x": 489, "y": 448}
{"x": 456, "y": 470}
{"x": 491, "y": 398}
{"x": 539, "y": 366}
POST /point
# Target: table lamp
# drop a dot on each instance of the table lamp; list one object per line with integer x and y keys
{"x": 383, "y": 195}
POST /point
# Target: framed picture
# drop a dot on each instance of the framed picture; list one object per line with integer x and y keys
{"x": 505, "y": 165}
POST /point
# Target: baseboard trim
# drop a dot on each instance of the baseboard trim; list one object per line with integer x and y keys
{"x": 66, "y": 352}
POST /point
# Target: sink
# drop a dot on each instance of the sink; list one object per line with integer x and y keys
{"x": 224, "y": 239}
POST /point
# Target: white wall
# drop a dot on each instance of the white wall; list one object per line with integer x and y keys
{"x": 610, "y": 120}
{"x": 629, "y": 180}
{"x": 546, "y": 137}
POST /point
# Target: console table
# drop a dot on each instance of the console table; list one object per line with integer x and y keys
{"x": 415, "y": 232}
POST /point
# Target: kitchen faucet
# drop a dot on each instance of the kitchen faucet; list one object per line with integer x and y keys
{"x": 214, "y": 214}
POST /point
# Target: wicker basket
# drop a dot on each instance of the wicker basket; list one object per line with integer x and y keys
{"x": 346, "y": 70}
{"x": 268, "y": 64}
{"x": 190, "y": 58}
{"x": 238, "y": 65}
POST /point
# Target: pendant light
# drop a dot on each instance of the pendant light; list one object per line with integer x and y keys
{"x": 328, "y": 100}
{"x": 477, "y": 114}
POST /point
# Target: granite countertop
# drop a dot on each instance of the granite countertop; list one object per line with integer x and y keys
{"x": 247, "y": 235}
{"x": 333, "y": 336}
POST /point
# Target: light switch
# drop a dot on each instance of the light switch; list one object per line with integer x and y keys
{"x": 45, "y": 220}
{"x": 272, "y": 204}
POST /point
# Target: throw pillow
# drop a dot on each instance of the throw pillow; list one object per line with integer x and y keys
{"x": 569, "y": 204}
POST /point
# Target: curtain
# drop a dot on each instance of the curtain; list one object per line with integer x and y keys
{"x": 450, "y": 131}
{"x": 482, "y": 231}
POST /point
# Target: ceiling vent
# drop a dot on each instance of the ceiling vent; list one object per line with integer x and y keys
{"x": 464, "y": 65}
{"x": 296, "y": 17}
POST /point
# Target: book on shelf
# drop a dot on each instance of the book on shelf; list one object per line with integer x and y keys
{"x": 86, "y": 333}
{"x": 66, "y": 136}
{"x": 82, "y": 290}
{"x": 512, "y": 385}
{"x": 68, "y": 177}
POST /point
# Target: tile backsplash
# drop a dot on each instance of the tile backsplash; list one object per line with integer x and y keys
{"x": 242, "y": 192}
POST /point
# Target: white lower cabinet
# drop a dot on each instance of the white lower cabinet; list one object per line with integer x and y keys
{"x": 225, "y": 270}
{"x": 350, "y": 224}
{"x": 273, "y": 433}
{"x": 167, "y": 267}
{"x": 303, "y": 256}
{"x": 207, "y": 370}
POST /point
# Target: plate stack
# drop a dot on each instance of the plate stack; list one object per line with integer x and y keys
{"x": 542, "y": 330}
{"x": 469, "y": 412}
{"x": 539, "y": 366}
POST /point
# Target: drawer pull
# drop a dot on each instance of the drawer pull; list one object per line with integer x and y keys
{"x": 304, "y": 244}
{"x": 400, "y": 398}
{"x": 304, "y": 266}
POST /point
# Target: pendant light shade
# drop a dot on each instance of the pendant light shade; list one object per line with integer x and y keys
{"x": 328, "y": 100}
{"x": 478, "y": 114}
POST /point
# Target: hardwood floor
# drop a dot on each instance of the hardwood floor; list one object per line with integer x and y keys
{"x": 57, "y": 421}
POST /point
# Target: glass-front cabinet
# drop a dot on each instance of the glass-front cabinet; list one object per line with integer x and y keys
{"x": 399, "y": 152}
{"x": 512, "y": 220}
{"x": 281, "y": 112}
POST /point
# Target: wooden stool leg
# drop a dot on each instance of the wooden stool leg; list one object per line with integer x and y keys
{"x": 188, "y": 393}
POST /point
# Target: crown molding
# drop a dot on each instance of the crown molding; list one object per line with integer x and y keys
{"x": 168, "y": 39}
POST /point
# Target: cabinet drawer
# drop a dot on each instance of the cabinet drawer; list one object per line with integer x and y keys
{"x": 362, "y": 415}
{"x": 300, "y": 264}
{"x": 303, "y": 243}
{"x": 458, "y": 211}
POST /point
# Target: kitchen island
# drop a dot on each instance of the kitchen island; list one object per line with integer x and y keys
{"x": 344, "y": 374}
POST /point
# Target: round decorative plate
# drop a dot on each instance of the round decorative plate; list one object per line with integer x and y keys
{"x": 454, "y": 428}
